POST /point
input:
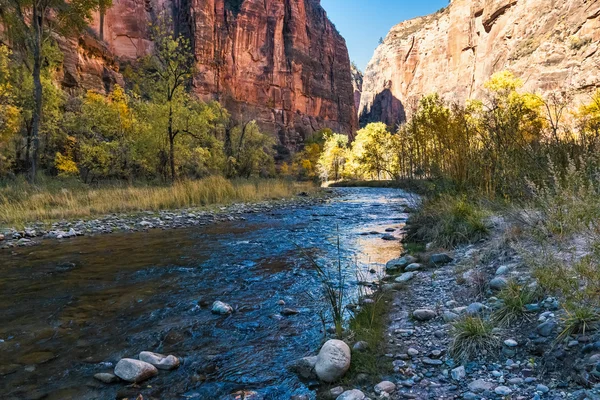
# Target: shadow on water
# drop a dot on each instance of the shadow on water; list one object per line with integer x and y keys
{"x": 71, "y": 309}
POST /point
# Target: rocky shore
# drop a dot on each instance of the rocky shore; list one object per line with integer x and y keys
{"x": 36, "y": 233}
{"x": 527, "y": 359}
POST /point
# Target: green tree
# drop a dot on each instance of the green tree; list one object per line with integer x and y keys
{"x": 165, "y": 75}
{"x": 251, "y": 152}
{"x": 31, "y": 23}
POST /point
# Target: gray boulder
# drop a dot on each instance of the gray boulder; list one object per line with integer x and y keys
{"x": 134, "y": 371}
{"x": 440, "y": 259}
{"x": 405, "y": 277}
{"x": 398, "y": 264}
{"x": 413, "y": 267}
{"x": 423, "y": 314}
{"x": 498, "y": 283}
{"x": 160, "y": 361}
{"x": 304, "y": 367}
{"x": 546, "y": 328}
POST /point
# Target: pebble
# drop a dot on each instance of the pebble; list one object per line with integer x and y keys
{"x": 542, "y": 388}
{"x": 385, "y": 387}
{"x": 412, "y": 352}
{"x": 480, "y": 385}
{"x": 353, "y": 394}
{"x": 106, "y": 377}
{"x": 503, "y": 390}
{"x": 429, "y": 361}
{"x": 458, "y": 373}
{"x": 511, "y": 343}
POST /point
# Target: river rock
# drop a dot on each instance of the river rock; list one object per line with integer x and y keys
{"x": 449, "y": 316}
{"x": 106, "y": 377}
{"x": 304, "y": 367}
{"x": 399, "y": 263}
{"x": 423, "y": 314}
{"x": 384, "y": 387}
{"x": 160, "y": 361}
{"x": 387, "y": 236}
{"x": 475, "y": 308}
{"x": 221, "y": 308}
{"x": 289, "y": 311}
{"x": 353, "y": 394}
{"x": 333, "y": 393}
{"x": 360, "y": 346}
{"x": 333, "y": 360}
{"x": 405, "y": 277}
{"x": 502, "y": 270}
{"x": 413, "y": 267}
{"x": 458, "y": 373}
{"x": 480, "y": 385}
{"x": 498, "y": 283}
{"x": 440, "y": 259}
{"x": 135, "y": 371}
{"x": 503, "y": 390}
{"x": 546, "y": 328}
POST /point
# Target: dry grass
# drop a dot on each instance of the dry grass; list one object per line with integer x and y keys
{"x": 21, "y": 203}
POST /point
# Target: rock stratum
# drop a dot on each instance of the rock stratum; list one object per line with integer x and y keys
{"x": 550, "y": 44}
{"x": 280, "y": 62}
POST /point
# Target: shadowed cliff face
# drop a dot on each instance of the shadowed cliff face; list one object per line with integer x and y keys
{"x": 281, "y": 62}
{"x": 549, "y": 44}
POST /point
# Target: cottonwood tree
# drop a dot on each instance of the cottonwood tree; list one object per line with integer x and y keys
{"x": 166, "y": 73}
{"x": 31, "y": 23}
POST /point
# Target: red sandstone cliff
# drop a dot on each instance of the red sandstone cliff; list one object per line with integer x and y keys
{"x": 549, "y": 44}
{"x": 281, "y": 62}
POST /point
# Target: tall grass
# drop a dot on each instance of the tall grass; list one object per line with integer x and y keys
{"x": 448, "y": 221}
{"x": 21, "y": 203}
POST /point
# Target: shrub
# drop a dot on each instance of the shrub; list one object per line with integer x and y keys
{"x": 471, "y": 336}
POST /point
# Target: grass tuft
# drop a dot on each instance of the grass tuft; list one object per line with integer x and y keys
{"x": 579, "y": 318}
{"x": 472, "y": 336}
{"x": 514, "y": 297}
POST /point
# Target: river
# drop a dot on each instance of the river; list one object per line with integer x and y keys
{"x": 73, "y": 308}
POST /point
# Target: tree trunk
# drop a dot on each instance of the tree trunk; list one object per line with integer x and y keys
{"x": 37, "y": 89}
{"x": 101, "y": 30}
{"x": 171, "y": 144}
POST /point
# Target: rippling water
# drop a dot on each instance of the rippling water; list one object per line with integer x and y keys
{"x": 71, "y": 309}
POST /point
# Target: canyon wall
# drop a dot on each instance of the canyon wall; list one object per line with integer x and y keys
{"x": 280, "y": 62}
{"x": 550, "y": 44}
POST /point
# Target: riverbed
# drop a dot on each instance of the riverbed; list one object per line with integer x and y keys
{"x": 73, "y": 308}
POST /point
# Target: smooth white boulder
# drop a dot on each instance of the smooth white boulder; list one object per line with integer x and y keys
{"x": 333, "y": 360}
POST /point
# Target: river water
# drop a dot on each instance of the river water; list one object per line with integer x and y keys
{"x": 71, "y": 309}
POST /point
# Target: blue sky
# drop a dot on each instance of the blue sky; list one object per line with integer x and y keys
{"x": 363, "y": 22}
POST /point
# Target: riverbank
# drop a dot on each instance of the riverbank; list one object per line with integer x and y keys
{"x": 513, "y": 314}
{"x": 141, "y": 209}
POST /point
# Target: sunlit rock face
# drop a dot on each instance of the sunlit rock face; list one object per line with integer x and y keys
{"x": 280, "y": 62}
{"x": 550, "y": 44}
